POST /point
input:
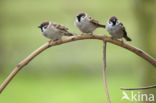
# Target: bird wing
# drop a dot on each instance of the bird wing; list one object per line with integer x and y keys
{"x": 123, "y": 29}
{"x": 95, "y": 22}
{"x": 60, "y": 27}
{"x": 125, "y": 33}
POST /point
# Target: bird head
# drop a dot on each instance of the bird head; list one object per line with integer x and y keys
{"x": 43, "y": 26}
{"x": 113, "y": 20}
{"x": 81, "y": 16}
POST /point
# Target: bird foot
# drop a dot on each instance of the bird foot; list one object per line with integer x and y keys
{"x": 49, "y": 43}
{"x": 122, "y": 40}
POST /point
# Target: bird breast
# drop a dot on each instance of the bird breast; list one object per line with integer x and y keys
{"x": 52, "y": 33}
{"x": 85, "y": 26}
{"x": 115, "y": 31}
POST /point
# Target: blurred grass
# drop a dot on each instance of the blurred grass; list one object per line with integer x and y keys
{"x": 63, "y": 89}
{"x": 70, "y": 72}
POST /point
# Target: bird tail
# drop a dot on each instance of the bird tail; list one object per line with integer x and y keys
{"x": 127, "y": 38}
{"x": 68, "y": 34}
{"x": 101, "y": 25}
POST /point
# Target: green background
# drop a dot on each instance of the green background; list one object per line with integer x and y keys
{"x": 72, "y": 72}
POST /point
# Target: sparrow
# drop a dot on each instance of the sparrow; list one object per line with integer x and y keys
{"x": 53, "y": 31}
{"x": 86, "y": 24}
{"x": 116, "y": 29}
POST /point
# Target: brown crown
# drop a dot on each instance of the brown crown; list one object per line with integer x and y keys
{"x": 81, "y": 14}
{"x": 44, "y": 23}
{"x": 113, "y": 18}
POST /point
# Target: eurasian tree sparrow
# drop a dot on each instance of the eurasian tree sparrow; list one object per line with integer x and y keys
{"x": 116, "y": 29}
{"x": 86, "y": 24}
{"x": 53, "y": 31}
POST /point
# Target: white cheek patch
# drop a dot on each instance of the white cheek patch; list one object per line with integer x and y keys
{"x": 82, "y": 18}
{"x": 43, "y": 29}
{"x": 117, "y": 22}
{"x": 110, "y": 23}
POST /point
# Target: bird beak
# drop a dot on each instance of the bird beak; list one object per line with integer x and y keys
{"x": 39, "y": 26}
